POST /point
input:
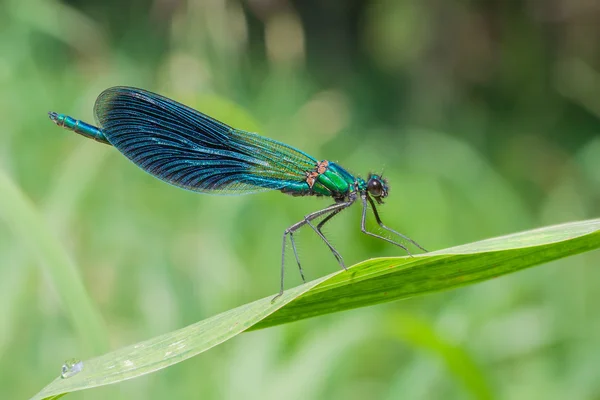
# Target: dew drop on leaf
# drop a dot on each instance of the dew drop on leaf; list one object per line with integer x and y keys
{"x": 71, "y": 367}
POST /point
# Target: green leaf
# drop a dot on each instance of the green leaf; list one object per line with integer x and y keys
{"x": 369, "y": 282}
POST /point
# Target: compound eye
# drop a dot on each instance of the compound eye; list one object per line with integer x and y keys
{"x": 375, "y": 187}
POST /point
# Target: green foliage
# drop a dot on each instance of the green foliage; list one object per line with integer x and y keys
{"x": 367, "y": 283}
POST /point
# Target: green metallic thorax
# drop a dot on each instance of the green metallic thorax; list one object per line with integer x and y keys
{"x": 335, "y": 182}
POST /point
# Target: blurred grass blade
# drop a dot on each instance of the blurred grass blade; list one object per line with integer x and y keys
{"x": 72, "y": 180}
{"x": 26, "y": 221}
{"x": 420, "y": 333}
{"x": 369, "y": 282}
{"x": 82, "y": 33}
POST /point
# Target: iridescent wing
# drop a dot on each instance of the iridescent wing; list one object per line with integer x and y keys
{"x": 194, "y": 151}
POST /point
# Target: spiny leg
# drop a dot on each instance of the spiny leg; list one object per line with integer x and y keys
{"x": 297, "y": 226}
{"x": 378, "y": 219}
{"x": 363, "y": 228}
{"x": 333, "y": 209}
{"x": 320, "y": 233}
{"x": 326, "y": 219}
{"x": 290, "y": 231}
{"x": 283, "y": 261}
{"x": 296, "y": 255}
{"x": 337, "y": 255}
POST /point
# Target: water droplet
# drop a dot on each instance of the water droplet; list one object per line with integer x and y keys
{"x": 71, "y": 367}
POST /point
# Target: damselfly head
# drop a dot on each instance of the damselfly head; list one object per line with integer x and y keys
{"x": 377, "y": 187}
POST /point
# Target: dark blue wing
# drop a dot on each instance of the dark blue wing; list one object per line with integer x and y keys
{"x": 194, "y": 151}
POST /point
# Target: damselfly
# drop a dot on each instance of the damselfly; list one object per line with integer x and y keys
{"x": 193, "y": 151}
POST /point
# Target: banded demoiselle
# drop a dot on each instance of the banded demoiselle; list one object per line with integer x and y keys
{"x": 193, "y": 151}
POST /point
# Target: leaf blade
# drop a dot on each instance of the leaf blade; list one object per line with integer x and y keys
{"x": 369, "y": 282}
{"x": 335, "y": 294}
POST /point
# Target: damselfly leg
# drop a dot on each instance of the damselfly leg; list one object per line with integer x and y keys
{"x": 363, "y": 227}
{"x": 327, "y": 218}
{"x": 306, "y": 221}
{"x": 378, "y": 219}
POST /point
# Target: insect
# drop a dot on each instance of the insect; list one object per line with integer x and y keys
{"x": 193, "y": 151}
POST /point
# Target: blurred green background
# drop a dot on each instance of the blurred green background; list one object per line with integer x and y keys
{"x": 484, "y": 116}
